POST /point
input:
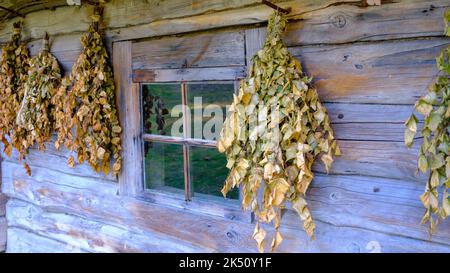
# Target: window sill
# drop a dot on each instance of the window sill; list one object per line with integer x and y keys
{"x": 203, "y": 204}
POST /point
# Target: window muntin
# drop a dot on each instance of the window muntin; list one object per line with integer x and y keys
{"x": 200, "y": 167}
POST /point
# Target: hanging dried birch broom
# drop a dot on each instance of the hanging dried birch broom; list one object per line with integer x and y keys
{"x": 36, "y": 111}
{"x": 275, "y": 129}
{"x": 14, "y": 67}
{"x": 97, "y": 134}
{"x": 434, "y": 154}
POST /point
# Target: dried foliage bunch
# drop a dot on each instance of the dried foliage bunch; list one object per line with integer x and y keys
{"x": 14, "y": 67}
{"x": 64, "y": 106}
{"x": 36, "y": 111}
{"x": 275, "y": 129}
{"x": 91, "y": 100}
{"x": 434, "y": 154}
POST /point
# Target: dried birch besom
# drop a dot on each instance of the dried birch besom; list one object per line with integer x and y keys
{"x": 95, "y": 118}
{"x": 434, "y": 154}
{"x": 14, "y": 67}
{"x": 64, "y": 106}
{"x": 275, "y": 129}
{"x": 36, "y": 111}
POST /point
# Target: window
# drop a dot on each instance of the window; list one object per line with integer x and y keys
{"x": 181, "y": 124}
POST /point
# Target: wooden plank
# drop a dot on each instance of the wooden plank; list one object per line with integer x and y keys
{"x": 198, "y": 50}
{"x": 43, "y": 174}
{"x": 375, "y": 158}
{"x": 29, "y": 242}
{"x": 3, "y": 228}
{"x": 324, "y": 21}
{"x": 180, "y": 140}
{"x": 386, "y": 73}
{"x": 368, "y": 113}
{"x": 393, "y": 132}
{"x": 350, "y": 23}
{"x": 189, "y": 74}
{"x": 118, "y": 14}
{"x": 254, "y": 41}
{"x": 386, "y": 205}
{"x": 215, "y": 232}
{"x": 128, "y": 96}
{"x": 24, "y": 7}
{"x": 57, "y": 161}
{"x": 306, "y": 10}
{"x": 90, "y": 235}
{"x": 3, "y": 199}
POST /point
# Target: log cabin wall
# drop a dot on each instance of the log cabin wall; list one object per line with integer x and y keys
{"x": 369, "y": 65}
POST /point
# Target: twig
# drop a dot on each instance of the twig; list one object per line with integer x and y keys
{"x": 275, "y": 7}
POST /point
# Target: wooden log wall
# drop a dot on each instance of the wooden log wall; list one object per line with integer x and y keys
{"x": 369, "y": 64}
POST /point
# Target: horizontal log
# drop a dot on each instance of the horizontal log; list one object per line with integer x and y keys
{"x": 189, "y": 74}
{"x": 377, "y": 73}
{"x": 199, "y": 50}
{"x": 24, "y": 7}
{"x": 368, "y": 113}
{"x": 3, "y": 227}
{"x": 350, "y": 23}
{"x": 3, "y": 200}
{"x": 345, "y": 234}
{"x": 118, "y": 14}
{"x": 375, "y": 158}
{"x": 28, "y": 242}
{"x": 90, "y": 235}
{"x": 54, "y": 160}
{"x": 104, "y": 187}
{"x": 393, "y": 132}
{"x": 324, "y": 21}
{"x": 385, "y": 205}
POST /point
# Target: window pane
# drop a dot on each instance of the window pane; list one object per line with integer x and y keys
{"x": 208, "y": 103}
{"x": 164, "y": 166}
{"x": 158, "y": 102}
{"x": 208, "y": 172}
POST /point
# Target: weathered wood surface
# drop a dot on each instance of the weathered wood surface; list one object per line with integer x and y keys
{"x": 24, "y": 7}
{"x": 3, "y": 229}
{"x": 190, "y": 74}
{"x": 394, "y": 72}
{"x": 341, "y": 227}
{"x": 323, "y": 21}
{"x": 343, "y": 73}
{"x": 55, "y": 160}
{"x": 128, "y": 101}
{"x": 368, "y": 87}
{"x": 24, "y": 241}
{"x": 3, "y": 199}
{"x": 201, "y": 50}
{"x": 89, "y": 235}
{"x": 390, "y": 159}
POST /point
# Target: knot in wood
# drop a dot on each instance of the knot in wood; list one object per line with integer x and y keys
{"x": 338, "y": 21}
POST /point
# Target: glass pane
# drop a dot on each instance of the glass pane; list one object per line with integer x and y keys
{"x": 208, "y": 103}
{"x": 164, "y": 166}
{"x": 158, "y": 102}
{"x": 208, "y": 172}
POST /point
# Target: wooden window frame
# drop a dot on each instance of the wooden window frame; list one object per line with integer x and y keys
{"x": 128, "y": 92}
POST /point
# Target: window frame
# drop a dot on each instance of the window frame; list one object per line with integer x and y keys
{"x": 186, "y": 140}
{"x": 129, "y": 100}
